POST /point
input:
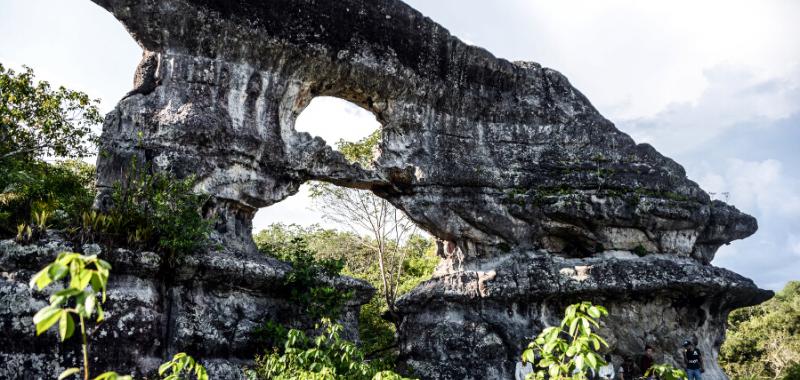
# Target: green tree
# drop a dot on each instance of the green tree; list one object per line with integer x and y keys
{"x": 763, "y": 341}
{"x": 380, "y": 227}
{"x": 38, "y": 121}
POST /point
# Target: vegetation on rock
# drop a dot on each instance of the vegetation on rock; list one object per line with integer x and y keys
{"x": 331, "y": 248}
{"x": 151, "y": 211}
{"x": 325, "y": 357}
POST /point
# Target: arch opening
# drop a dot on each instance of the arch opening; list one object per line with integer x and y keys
{"x": 378, "y": 242}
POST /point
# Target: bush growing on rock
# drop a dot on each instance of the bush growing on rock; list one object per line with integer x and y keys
{"x": 325, "y": 357}
{"x": 159, "y": 212}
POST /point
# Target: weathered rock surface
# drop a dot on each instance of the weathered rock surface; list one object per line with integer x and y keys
{"x": 505, "y": 162}
{"x": 208, "y": 306}
{"x": 479, "y": 151}
{"x": 489, "y": 313}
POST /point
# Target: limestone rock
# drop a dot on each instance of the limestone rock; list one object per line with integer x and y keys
{"x": 479, "y": 151}
{"x": 490, "y": 313}
{"x": 530, "y": 190}
{"x": 209, "y": 306}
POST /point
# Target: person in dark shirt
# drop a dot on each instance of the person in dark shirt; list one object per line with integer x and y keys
{"x": 693, "y": 361}
{"x": 647, "y": 361}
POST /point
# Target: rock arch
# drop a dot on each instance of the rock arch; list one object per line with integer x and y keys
{"x": 540, "y": 198}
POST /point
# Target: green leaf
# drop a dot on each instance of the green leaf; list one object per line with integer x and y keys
{"x": 528, "y": 356}
{"x": 164, "y": 368}
{"x": 68, "y": 292}
{"x": 89, "y": 304}
{"x": 57, "y": 271}
{"x": 69, "y": 372}
{"x": 46, "y": 318}
{"x": 553, "y": 371}
{"x": 83, "y": 279}
{"x": 594, "y": 312}
{"x": 41, "y": 279}
{"x": 579, "y": 362}
{"x": 66, "y": 325}
{"x": 592, "y": 359}
{"x": 573, "y": 326}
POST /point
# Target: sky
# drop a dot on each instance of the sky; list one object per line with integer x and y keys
{"x": 715, "y": 85}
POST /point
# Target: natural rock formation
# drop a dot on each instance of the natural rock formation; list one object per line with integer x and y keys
{"x": 483, "y": 152}
{"x": 210, "y": 306}
{"x": 476, "y": 317}
{"x": 531, "y": 191}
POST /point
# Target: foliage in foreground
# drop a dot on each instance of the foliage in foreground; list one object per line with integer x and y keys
{"x": 324, "y": 357}
{"x": 763, "y": 341}
{"x": 570, "y": 350}
{"x": 665, "y": 372}
{"x": 84, "y": 292}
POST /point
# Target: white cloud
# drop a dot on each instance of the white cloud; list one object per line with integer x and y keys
{"x": 735, "y": 97}
{"x": 635, "y": 58}
{"x": 761, "y": 187}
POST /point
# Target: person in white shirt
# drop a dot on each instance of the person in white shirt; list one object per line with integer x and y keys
{"x": 606, "y": 372}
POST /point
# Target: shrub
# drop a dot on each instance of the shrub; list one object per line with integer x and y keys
{"x": 640, "y": 251}
{"x": 160, "y": 212}
{"x": 325, "y": 356}
{"x": 62, "y": 190}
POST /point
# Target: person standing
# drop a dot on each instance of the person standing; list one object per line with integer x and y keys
{"x": 626, "y": 368}
{"x": 647, "y": 361}
{"x": 693, "y": 361}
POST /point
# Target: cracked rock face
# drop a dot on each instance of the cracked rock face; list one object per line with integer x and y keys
{"x": 536, "y": 198}
{"x": 209, "y": 306}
